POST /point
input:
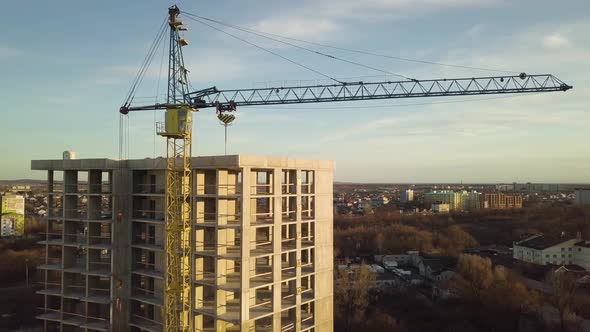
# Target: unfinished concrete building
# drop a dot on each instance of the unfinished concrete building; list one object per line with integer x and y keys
{"x": 262, "y": 235}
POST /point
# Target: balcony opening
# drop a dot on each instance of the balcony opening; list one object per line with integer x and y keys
{"x": 289, "y": 209}
{"x": 100, "y": 182}
{"x": 289, "y": 293}
{"x": 289, "y": 264}
{"x": 307, "y": 207}
{"x": 262, "y": 210}
{"x": 289, "y": 182}
{"x": 206, "y": 181}
{"x": 307, "y": 182}
{"x": 206, "y": 211}
{"x": 307, "y": 234}
{"x": 288, "y": 318}
{"x": 288, "y": 237}
{"x": 261, "y": 272}
{"x": 307, "y": 311}
{"x": 149, "y": 182}
{"x": 262, "y": 182}
{"x": 261, "y": 301}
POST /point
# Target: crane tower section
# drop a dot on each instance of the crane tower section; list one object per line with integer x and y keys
{"x": 177, "y": 129}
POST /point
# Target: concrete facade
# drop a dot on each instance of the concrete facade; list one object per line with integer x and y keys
{"x": 457, "y": 201}
{"x": 262, "y": 235}
{"x": 407, "y": 196}
{"x": 12, "y": 215}
{"x": 582, "y": 196}
{"x": 441, "y": 208}
{"x": 502, "y": 201}
{"x": 565, "y": 251}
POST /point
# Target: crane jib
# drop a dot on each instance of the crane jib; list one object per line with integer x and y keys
{"x": 355, "y": 91}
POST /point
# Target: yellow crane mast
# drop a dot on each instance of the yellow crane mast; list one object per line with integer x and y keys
{"x": 178, "y": 132}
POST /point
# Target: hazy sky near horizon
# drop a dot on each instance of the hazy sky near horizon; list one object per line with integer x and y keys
{"x": 65, "y": 67}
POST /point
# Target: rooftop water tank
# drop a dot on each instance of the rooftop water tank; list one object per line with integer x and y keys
{"x": 69, "y": 155}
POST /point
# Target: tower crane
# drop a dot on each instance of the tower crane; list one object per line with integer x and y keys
{"x": 177, "y": 129}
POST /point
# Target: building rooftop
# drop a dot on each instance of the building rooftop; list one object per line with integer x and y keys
{"x": 542, "y": 242}
{"x": 583, "y": 244}
{"x": 196, "y": 162}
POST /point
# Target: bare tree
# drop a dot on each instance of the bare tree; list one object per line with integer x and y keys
{"x": 475, "y": 276}
{"x": 351, "y": 293}
{"x": 562, "y": 296}
{"x": 495, "y": 290}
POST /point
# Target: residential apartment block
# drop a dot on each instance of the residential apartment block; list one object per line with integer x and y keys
{"x": 407, "y": 196}
{"x": 12, "y": 215}
{"x": 502, "y": 201}
{"x": 582, "y": 196}
{"x": 473, "y": 200}
{"x": 262, "y": 237}
{"x": 457, "y": 201}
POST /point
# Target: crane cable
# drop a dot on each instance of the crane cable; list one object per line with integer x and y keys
{"x": 261, "y": 34}
{"x": 258, "y": 32}
{"x": 265, "y": 49}
{"x": 124, "y": 135}
{"x": 146, "y": 63}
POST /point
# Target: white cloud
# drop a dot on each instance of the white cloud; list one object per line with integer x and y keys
{"x": 324, "y": 19}
{"x": 556, "y": 41}
{"x": 6, "y": 51}
{"x": 298, "y": 27}
{"x": 525, "y": 49}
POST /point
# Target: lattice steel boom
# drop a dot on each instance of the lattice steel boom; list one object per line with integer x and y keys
{"x": 522, "y": 83}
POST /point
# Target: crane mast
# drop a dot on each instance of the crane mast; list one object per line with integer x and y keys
{"x": 177, "y": 129}
{"x": 178, "y": 132}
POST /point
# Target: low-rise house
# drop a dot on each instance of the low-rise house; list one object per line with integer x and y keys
{"x": 443, "y": 275}
{"x": 428, "y": 266}
{"x": 442, "y": 290}
{"x": 439, "y": 207}
{"x": 562, "y": 250}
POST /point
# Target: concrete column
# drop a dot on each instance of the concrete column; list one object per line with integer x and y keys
{"x": 298, "y": 252}
{"x": 245, "y": 250}
{"x": 323, "y": 257}
{"x": 121, "y": 240}
{"x": 277, "y": 248}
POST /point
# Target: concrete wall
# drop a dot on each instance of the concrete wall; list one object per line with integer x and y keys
{"x": 324, "y": 254}
{"x": 582, "y": 256}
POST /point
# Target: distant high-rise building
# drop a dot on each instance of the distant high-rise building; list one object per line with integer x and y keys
{"x": 470, "y": 200}
{"x": 407, "y": 196}
{"x": 458, "y": 201}
{"x": 501, "y": 201}
{"x": 444, "y": 196}
{"x": 438, "y": 207}
{"x": 12, "y": 212}
{"x": 582, "y": 196}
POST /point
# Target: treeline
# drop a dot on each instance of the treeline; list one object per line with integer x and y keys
{"x": 17, "y": 255}
{"x": 396, "y": 238}
{"x": 390, "y": 232}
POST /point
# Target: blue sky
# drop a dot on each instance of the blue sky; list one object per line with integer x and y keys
{"x": 66, "y": 67}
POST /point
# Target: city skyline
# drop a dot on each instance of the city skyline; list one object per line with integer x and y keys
{"x": 69, "y": 82}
